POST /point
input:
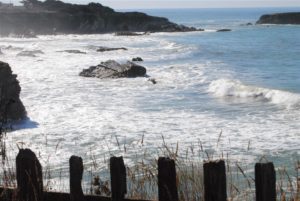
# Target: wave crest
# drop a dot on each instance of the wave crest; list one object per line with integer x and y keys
{"x": 235, "y": 88}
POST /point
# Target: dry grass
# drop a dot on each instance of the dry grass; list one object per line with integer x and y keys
{"x": 142, "y": 176}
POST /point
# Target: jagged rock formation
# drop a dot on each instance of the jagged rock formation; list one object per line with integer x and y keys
{"x": 51, "y": 17}
{"x": 280, "y": 18}
{"x": 112, "y": 69}
{"x": 11, "y": 107}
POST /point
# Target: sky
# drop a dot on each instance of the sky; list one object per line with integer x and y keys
{"x": 128, "y": 4}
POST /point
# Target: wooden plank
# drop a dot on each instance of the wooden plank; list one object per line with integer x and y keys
{"x": 76, "y": 172}
{"x": 29, "y": 176}
{"x": 265, "y": 182}
{"x": 118, "y": 179}
{"x": 167, "y": 187}
{"x": 215, "y": 181}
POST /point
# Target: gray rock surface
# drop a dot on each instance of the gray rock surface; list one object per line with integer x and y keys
{"x": 113, "y": 69}
{"x": 11, "y": 107}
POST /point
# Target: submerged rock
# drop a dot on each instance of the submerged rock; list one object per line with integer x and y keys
{"x": 11, "y": 107}
{"x": 73, "y": 51}
{"x": 104, "y": 49}
{"x": 113, "y": 69}
{"x": 280, "y": 18}
{"x": 137, "y": 59}
{"x": 32, "y": 53}
{"x": 223, "y": 30}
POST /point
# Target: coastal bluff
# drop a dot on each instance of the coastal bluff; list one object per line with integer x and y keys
{"x": 57, "y": 17}
{"x": 280, "y": 18}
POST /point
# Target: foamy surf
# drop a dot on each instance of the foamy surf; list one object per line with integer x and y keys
{"x": 236, "y": 89}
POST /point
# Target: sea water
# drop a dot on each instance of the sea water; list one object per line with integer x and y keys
{"x": 234, "y": 93}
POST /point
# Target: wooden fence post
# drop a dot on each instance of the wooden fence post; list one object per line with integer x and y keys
{"x": 29, "y": 176}
{"x": 76, "y": 172}
{"x": 215, "y": 181}
{"x": 167, "y": 187}
{"x": 118, "y": 178}
{"x": 265, "y": 182}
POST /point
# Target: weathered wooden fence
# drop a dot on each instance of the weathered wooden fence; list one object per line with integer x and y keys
{"x": 30, "y": 181}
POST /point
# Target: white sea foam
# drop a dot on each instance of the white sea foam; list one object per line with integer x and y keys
{"x": 84, "y": 116}
{"x": 236, "y": 89}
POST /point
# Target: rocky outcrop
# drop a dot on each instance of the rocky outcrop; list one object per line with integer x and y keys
{"x": 113, "y": 69}
{"x": 52, "y": 17}
{"x": 105, "y": 49}
{"x": 280, "y": 18}
{"x": 11, "y": 107}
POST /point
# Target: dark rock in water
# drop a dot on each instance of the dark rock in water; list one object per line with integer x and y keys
{"x": 152, "y": 80}
{"x": 223, "y": 30}
{"x": 104, "y": 49}
{"x": 11, "y": 107}
{"x": 137, "y": 59}
{"x": 73, "y": 51}
{"x": 128, "y": 33}
{"x": 249, "y": 24}
{"x": 32, "y": 53}
{"x": 112, "y": 69}
{"x": 53, "y": 16}
{"x": 280, "y": 18}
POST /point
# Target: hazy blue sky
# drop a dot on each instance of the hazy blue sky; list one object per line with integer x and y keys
{"x": 187, "y": 3}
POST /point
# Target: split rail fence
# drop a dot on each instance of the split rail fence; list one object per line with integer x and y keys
{"x": 30, "y": 181}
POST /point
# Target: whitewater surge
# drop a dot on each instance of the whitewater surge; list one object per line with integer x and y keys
{"x": 236, "y": 89}
{"x": 94, "y": 118}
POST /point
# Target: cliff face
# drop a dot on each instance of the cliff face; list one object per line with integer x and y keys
{"x": 11, "y": 106}
{"x": 52, "y": 16}
{"x": 280, "y": 18}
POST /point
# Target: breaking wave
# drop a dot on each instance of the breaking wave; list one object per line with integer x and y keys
{"x": 236, "y": 89}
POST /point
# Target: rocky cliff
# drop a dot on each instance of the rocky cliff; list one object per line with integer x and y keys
{"x": 280, "y": 18}
{"x": 11, "y": 107}
{"x": 53, "y": 16}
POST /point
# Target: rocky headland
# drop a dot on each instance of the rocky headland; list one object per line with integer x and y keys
{"x": 280, "y": 18}
{"x": 11, "y": 107}
{"x": 57, "y": 17}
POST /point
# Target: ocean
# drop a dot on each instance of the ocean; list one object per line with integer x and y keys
{"x": 225, "y": 93}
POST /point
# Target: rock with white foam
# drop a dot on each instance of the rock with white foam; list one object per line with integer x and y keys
{"x": 113, "y": 69}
